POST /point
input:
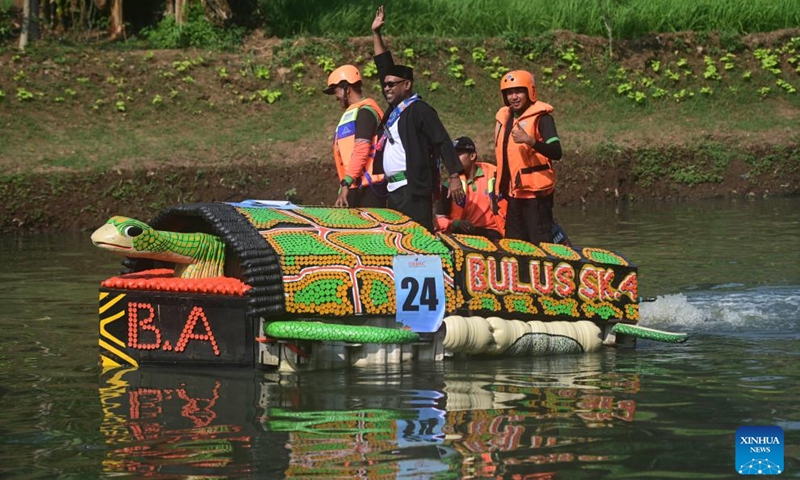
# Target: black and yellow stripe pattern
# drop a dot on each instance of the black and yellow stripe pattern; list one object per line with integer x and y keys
{"x": 113, "y": 309}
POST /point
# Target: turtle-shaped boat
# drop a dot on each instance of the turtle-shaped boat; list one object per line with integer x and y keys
{"x": 275, "y": 285}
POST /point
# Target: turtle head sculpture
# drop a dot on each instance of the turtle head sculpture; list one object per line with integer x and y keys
{"x": 195, "y": 255}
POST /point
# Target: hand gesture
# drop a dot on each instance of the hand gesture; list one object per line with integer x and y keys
{"x": 465, "y": 227}
{"x": 520, "y": 136}
{"x": 341, "y": 200}
{"x": 455, "y": 191}
{"x": 379, "y": 20}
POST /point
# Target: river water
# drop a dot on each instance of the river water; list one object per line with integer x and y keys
{"x": 726, "y": 272}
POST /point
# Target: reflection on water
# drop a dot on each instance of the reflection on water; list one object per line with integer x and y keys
{"x": 372, "y": 423}
{"x": 727, "y": 273}
{"x": 163, "y": 424}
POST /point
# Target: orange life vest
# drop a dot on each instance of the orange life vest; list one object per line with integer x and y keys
{"x": 531, "y": 172}
{"x": 344, "y": 141}
{"x": 477, "y": 208}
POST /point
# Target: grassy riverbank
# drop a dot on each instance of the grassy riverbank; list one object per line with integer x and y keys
{"x": 89, "y": 132}
{"x": 628, "y": 19}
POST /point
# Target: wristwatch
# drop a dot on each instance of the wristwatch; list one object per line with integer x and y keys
{"x": 344, "y": 183}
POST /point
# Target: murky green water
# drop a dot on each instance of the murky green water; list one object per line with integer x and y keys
{"x": 729, "y": 273}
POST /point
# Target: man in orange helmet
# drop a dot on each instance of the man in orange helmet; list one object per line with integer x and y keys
{"x": 354, "y": 142}
{"x": 526, "y": 143}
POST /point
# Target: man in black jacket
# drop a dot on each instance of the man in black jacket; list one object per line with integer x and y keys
{"x": 412, "y": 139}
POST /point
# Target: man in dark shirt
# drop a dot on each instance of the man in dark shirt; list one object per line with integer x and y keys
{"x": 412, "y": 139}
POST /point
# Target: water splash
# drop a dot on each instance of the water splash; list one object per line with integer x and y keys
{"x": 670, "y": 311}
{"x": 720, "y": 310}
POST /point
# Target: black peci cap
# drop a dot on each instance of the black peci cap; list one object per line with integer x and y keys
{"x": 464, "y": 143}
{"x": 401, "y": 71}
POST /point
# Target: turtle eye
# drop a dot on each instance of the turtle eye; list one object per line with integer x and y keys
{"x": 133, "y": 231}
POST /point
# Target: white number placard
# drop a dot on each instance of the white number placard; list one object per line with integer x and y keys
{"x": 419, "y": 287}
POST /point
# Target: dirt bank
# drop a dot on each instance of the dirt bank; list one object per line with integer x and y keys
{"x": 90, "y": 133}
{"x": 79, "y": 201}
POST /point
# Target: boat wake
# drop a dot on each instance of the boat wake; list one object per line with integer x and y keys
{"x": 726, "y": 310}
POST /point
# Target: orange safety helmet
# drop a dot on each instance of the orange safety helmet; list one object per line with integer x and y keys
{"x": 347, "y": 73}
{"x": 516, "y": 79}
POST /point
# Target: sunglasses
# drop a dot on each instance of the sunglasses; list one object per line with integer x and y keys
{"x": 392, "y": 84}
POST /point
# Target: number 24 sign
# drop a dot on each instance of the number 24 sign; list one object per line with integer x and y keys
{"x": 419, "y": 288}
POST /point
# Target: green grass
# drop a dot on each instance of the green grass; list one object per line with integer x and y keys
{"x": 492, "y": 18}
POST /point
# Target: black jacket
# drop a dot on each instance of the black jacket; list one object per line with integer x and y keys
{"x": 423, "y": 136}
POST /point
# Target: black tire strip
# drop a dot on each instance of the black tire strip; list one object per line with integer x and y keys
{"x": 258, "y": 265}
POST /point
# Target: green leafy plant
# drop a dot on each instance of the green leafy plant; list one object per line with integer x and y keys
{"x": 788, "y": 87}
{"x": 711, "y": 72}
{"x": 682, "y": 95}
{"x": 649, "y": 167}
{"x": 693, "y": 175}
{"x": 456, "y": 70}
{"x": 658, "y": 92}
{"x": 182, "y": 65}
{"x": 769, "y": 60}
{"x": 269, "y": 96}
{"x": 674, "y": 76}
{"x": 299, "y": 69}
{"x": 655, "y": 65}
{"x": 496, "y": 68}
{"x": 638, "y": 97}
{"x": 571, "y": 58}
{"x": 327, "y": 63}
{"x": 479, "y": 55}
{"x": 119, "y": 82}
{"x": 195, "y": 31}
{"x": 24, "y": 95}
{"x": 727, "y": 61}
{"x": 369, "y": 70}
